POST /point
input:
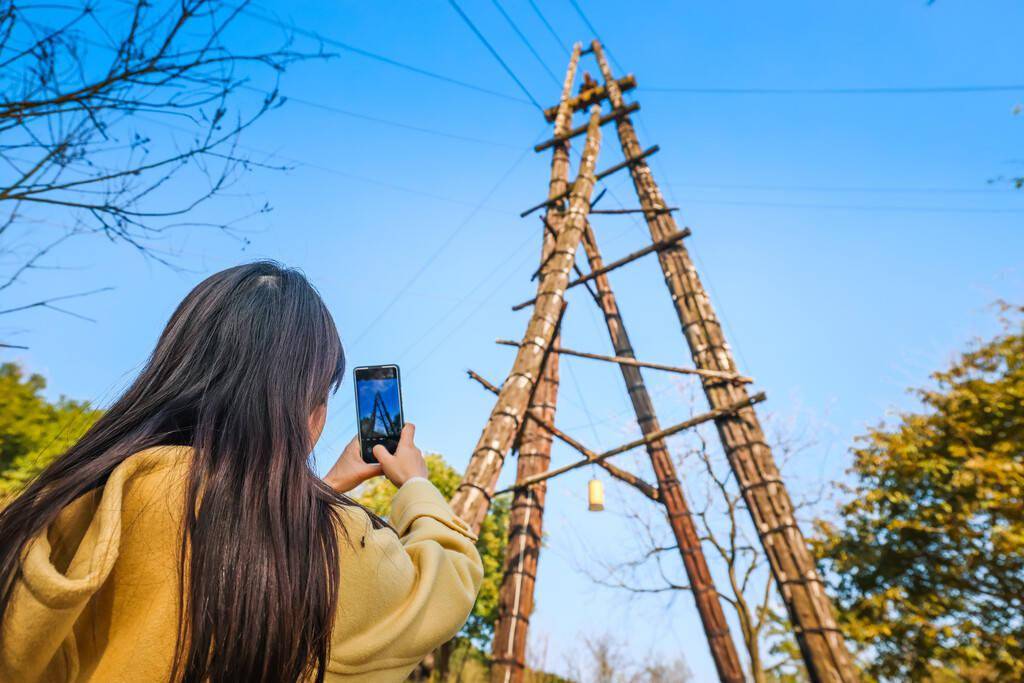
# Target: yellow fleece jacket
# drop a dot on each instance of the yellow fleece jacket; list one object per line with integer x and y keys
{"x": 98, "y": 597}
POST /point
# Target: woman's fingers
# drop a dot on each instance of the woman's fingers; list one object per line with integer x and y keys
{"x": 406, "y": 462}
{"x": 371, "y": 470}
{"x": 352, "y": 446}
{"x": 407, "y": 436}
{"x": 350, "y": 470}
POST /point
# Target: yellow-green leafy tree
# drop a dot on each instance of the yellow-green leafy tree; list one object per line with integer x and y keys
{"x": 377, "y": 495}
{"x": 927, "y": 557}
{"x": 34, "y": 431}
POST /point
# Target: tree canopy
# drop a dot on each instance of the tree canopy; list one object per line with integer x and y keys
{"x": 377, "y": 495}
{"x": 34, "y": 431}
{"x": 928, "y": 560}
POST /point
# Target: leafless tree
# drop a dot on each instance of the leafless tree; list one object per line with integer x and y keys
{"x": 605, "y": 659}
{"x": 652, "y": 567}
{"x": 103, "y": 105}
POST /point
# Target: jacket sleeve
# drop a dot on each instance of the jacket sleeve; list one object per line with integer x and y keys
{"x": 403, "y": 595}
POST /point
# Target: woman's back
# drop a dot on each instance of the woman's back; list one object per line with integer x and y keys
{"x": 285, "y": 577}
{"x": 98, "y": 599}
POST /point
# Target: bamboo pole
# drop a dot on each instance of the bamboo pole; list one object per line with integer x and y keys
{"x": 720, "y": 642}
{"x": 809, "y": 608}
{"x": 636, "y": 443}
{"x": 526, "y": 515}
{"x": 667, "y": 241}
{"x": 472, "y": 496}
{"x": 625, "y": 360}
{"x": 623, "y": 475}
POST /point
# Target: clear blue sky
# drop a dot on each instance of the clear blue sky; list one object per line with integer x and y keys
{"x": 851, "y": 242}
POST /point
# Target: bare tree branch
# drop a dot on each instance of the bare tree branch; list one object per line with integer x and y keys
{"x": 80, "y": 86}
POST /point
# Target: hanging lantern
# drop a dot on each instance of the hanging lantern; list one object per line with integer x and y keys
{"x": 595, "y": 495}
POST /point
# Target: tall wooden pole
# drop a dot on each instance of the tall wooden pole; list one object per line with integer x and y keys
{"x": 526, "y": 516}
{"x": 723, "y": 649}
{"x": 472, "y": 497}
{"x": 810, "y": 610}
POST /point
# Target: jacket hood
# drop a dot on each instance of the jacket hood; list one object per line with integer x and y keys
{"x": 67, "y": 563}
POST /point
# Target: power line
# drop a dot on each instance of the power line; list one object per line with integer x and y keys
{"x": 347, "y": 112}
{"x": 525, "y": 40}
{"x": 494, "y": 270}
{"x": 394, "y": 124}
{"x": 844, "y": 188}
{"x": 348, "y": 174}
{"x": 857, "y": 207}
{"x": 901, "y": 90}
{"x": 448, "y": 240}
{"x": 379, "y": 57}
{"x": 385, "y": 122}
{"x": 437, "y": 252}
{"x": 339, "y": 172}
{"x": 375, "y": 181}
{"x": 499, "y": 287}
{"x": 494, "y": 52}
{"x": 583, "y": 404}
{"x": 550, "y": 28}
{"x": 579, "y": 11}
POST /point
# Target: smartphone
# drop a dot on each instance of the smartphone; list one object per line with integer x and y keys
{"x": 378, "y": 408}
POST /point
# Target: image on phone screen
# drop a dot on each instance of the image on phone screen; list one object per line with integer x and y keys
{"x": 379, "y": 408}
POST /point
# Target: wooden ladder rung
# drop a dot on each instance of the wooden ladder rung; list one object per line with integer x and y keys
{"x": 615, "y": 212}
{"x": 623, "y": 360}
{"x": 654, "y": 436}
{"x": 627, "y": 163}
{"x": 656, "y": 246}
{"x": 600, "y": 176}
{"x": 614, "y": 115}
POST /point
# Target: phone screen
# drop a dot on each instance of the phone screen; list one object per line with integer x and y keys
{"x": 378, "y": 408}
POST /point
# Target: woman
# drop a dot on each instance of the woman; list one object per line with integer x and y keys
{"x": 185, "y": 537}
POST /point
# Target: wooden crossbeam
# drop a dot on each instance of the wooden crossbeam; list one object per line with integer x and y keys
{"x": 633, "y": 161}
{"x": 591, "y": 96}
{"x": 622, "y": 360}
{"x": 599, "y": 176}
{"x": 580, "y": 130}
{"x": 623, "y": 475}
{"x": 667, "y": 209}
{"x": 655, "y": 246}
{"x": 647, "y": 438}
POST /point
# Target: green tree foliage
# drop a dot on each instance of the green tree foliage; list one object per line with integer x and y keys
{"x": 928, "y": 560}
{"x": 34, "y": 431}
{"x": 377, "y": 495}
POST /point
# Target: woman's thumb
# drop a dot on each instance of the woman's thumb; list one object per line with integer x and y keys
{"x": 382, "y": 454}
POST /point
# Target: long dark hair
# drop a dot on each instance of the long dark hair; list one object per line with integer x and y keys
{"x": 246, "y": 358}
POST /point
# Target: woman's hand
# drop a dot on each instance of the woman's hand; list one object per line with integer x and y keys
{"x": 406, "y": 462}
{"x": 351, "y": 470}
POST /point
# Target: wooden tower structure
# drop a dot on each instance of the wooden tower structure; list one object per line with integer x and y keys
{"x": 523, "y": 416}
